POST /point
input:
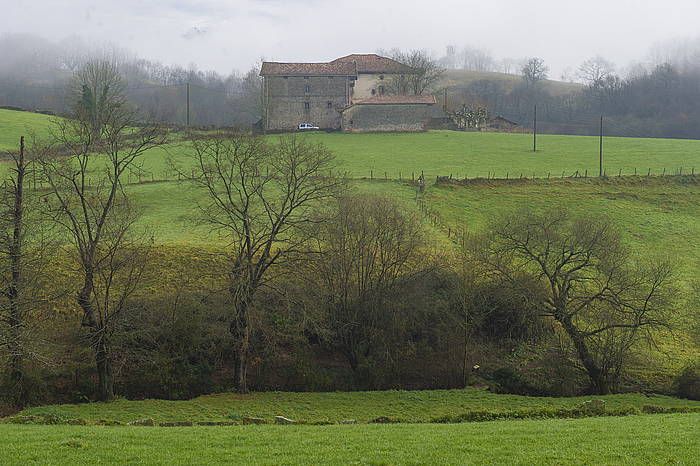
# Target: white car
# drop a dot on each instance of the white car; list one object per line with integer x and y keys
{"x": 307, "y": 126}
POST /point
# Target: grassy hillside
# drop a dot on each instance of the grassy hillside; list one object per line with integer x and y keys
{"x": 405, "y": 406}
{"x": 439, "y": 153}
{"x": 463, "y": 78}
{"x": 480, "y": 154}
{"x": 661, "y": 439}
{"x": 14, "y": 124}
{"x": 473, "y": 155}
{"x": 659, "y": 216}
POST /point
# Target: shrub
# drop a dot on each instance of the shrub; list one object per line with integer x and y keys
{"x": 507, "y": 380}
{"x": 688, "y": 382}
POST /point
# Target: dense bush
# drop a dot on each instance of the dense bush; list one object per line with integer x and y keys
{"x": 688, "y": 382}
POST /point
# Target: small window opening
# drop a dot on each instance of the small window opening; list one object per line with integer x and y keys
{"x": 374, "y": 91}
{"x": 381, "y": 76}
{"x": 381, "y": 90}
{"x": 306, "y": 106}
{"x": 330, "y": 104}
{"x": 307, "y": 89}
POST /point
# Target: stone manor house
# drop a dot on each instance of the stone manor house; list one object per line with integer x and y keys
{"x": 349, "y": 93}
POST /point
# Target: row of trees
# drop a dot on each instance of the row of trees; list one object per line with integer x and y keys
{"x": 310, "y": 271}
{"x": 35, "y": 74}
{"x": 648, "y": 103}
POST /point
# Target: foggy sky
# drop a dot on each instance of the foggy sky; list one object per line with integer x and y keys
{"x": 226, "y": 35}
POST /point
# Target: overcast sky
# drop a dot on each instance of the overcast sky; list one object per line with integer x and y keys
{"x": 228, "y": 34}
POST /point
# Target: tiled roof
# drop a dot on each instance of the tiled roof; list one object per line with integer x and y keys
{"x": 397, "y": 99}
{"x": 308, "y": 69}
{"x": 373, "y": 63}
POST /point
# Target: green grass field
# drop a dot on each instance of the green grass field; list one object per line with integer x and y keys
{"x": 657, "y": 216}
{"x": 404, "y": 406}
{"x": 14, "y": 124}
{"x": 435, "y": 153}
{"x": 659, "y": 439}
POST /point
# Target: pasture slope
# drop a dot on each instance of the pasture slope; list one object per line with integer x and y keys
{"x": 657, "y": 216}
{"x": 658, "y": 439}
{"x": 416, "y": 406}
{"x": 14, "y": 124}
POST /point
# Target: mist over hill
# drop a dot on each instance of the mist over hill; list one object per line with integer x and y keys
{"x": 654, "y": 98}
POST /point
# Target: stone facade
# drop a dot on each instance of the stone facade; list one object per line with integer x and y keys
{"x": 362, "y": 118}
{"x": 292, "y": 100}
{"x": 346, "y": 93}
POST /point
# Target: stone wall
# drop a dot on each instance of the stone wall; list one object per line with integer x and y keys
{"x": 285, "y": 100}
{"x": 367, "y": 82}
{"x": 385, "y": 117}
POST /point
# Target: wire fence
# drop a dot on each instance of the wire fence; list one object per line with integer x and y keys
{"x": 36, "y": 181}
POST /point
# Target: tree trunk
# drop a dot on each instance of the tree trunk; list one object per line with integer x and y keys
{"x": 105, "y": 386}
{"x": 242, "y": 381}
{"x": 465, "y": 355}
{"x": 16, "y": 319}
{"x": 240, "y": 329}
{"x": 599, "y": 383}
{"x": 21, "y": 397}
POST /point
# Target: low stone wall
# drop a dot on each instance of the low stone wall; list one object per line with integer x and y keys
{"x": 362, "y": 118}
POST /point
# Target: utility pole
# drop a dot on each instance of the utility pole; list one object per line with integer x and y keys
{"x": 188, "y": 104}
{"x": 444, "y": 100}
{"x": 534, "y": 133}
{"x": 600, "y": 172}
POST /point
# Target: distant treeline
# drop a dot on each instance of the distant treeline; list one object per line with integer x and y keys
{"x": 35, "y": 74}
{"x": 656, "y": 99}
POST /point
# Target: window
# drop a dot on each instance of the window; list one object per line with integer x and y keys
{"x": 306, "y": 77}
{"x": 330, "y": 104}
{"x": 330, "y": 77}
{"x": 381, "y": 76}
{"x": 374, "y": 91}
{"x": 307, "y": 89}
{"x": 285, "y": 77}
{"x": 306, "y": 106}
{"x": 381, "y": 90}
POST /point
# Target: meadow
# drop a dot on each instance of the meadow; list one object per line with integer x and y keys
{"x": 333, "y": 407}
{"x": 443, "y": 153}
{"x": 14, "y": 124}
{"x": 658, "y": 439}
{"x": 658, "y": 216}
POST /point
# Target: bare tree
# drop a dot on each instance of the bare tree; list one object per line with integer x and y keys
{"x": 508, "y": 65}
{"x": 578, "y": 272}
{"x": 261, "y": 198}
{"x": 425, "y": 72}
{"x": 534, "y": 71}
{"x": 24, "y": 247}
{"x": 98, "y": 92}
{"x": 98, "y": 148}
{"x": 367, "y": 248}
{"x": 476, "y": 59}
{"x": 595, "y": 70}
